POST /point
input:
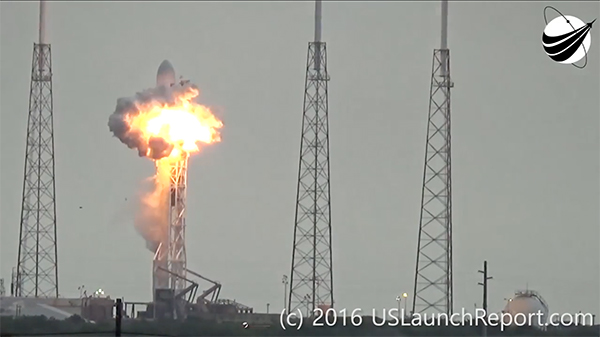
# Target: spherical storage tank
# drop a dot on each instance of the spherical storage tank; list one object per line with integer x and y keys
{"x": 522, "y": 306}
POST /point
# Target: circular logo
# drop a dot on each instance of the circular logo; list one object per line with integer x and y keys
{"x": 567, "y": 39}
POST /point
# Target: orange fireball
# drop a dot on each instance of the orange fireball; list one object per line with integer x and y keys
{"x": 182, "y": 127}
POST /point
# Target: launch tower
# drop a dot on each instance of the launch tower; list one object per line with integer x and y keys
{"x": 171, "y": 255}
{"x": 37, "y": 264}
{"x": 433, "y": 274}
{"x": 311, "y": 278}
{"x": 169, "y": 263}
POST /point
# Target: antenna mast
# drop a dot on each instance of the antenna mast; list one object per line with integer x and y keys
{"x": 444, "y": 41}
{"x": 444, "y": 24}
{"x": 317, "y": 35}
{"x": 42, "y": 37}
{"x": 318, "y": 21}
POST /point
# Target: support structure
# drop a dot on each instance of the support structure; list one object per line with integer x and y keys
{"x": 311, "y": 276}
{"x": 484, "y": 284}
{"x": 177, "y": 211}
{"x": 170, "y": 257}
{"x": 37, "y": 263}
{"x": 118, "y": 317}
{"x": 433, "y": 274}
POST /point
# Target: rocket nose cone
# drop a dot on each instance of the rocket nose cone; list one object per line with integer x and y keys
{"x": 165, "y": 74}
{"x": 165, "y": 66}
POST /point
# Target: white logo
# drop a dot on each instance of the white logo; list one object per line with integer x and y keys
{"x": 566, "y": 39}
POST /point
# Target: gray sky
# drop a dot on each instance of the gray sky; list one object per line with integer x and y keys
{"x": 525, "y": 145}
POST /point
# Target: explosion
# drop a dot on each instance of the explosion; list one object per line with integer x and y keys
{"x": 164, "y": 122}
{"x": 166, "y": 125}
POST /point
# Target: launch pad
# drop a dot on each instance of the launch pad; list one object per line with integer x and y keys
{"x": 174, "y": 294}
{"x": 180, "y": 304}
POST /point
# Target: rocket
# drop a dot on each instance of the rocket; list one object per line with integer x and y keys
{"x": 165, "y": 76}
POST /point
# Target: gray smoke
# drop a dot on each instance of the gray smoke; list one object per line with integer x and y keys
{"x": 128, "y": 107}
{"x": 151, "y": 217}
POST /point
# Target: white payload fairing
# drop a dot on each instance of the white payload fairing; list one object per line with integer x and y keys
{"x": 165, "y": 76}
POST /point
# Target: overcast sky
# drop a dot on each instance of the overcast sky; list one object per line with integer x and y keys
{"x": 525, "y": 145}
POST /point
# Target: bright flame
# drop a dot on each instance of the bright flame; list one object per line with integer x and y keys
{"x": 183, "y": 126}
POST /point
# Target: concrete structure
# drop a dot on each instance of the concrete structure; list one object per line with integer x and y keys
{"x": 90, "y": 308}
{"x": 57, "y": 308}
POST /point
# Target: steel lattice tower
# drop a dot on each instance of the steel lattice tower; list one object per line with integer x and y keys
{"x": 177, "y": 214}
{"x": 171, "y": 254}
{"x": 311, "y": 280}
{"x": 433, "y": 274}
{"x": 37, "y": 264}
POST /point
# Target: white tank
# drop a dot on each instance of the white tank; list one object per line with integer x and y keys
{"x": 522, "y": 306}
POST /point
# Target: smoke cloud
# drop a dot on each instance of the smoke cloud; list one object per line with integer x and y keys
{"x": 129, "y": 107}
{"x": 151, "y": 216}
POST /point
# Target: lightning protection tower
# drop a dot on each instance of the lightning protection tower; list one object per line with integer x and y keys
{"x": 433, "y": 274}
{"x": 37, "y": 264}
{"x": 311, "y": 277}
